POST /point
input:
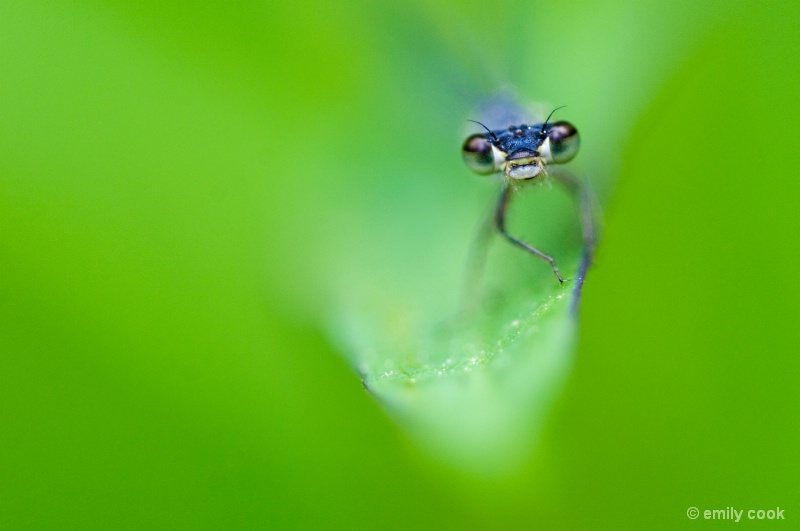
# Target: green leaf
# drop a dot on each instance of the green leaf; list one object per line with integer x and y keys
{"x": 475, "y": 392}
{"x": 473, "y": 387}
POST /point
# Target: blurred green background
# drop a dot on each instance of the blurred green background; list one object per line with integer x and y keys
{"x": 190, "y": 194}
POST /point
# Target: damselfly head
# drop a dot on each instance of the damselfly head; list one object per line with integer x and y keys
{"x": 521, "y": 151}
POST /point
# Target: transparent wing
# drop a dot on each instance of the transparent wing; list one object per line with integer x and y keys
{"x": 502, "y": 109}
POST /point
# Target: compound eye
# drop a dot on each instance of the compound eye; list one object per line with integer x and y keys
{"x": 478, "y": 154}
{"x": 564, "y": 142}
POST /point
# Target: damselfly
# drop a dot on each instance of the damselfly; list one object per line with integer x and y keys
{"x": 522, "y": 153}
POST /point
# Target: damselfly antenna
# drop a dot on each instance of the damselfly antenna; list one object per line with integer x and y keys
{"x": 487, "y": 129}
{"x": 544, "y": 125}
